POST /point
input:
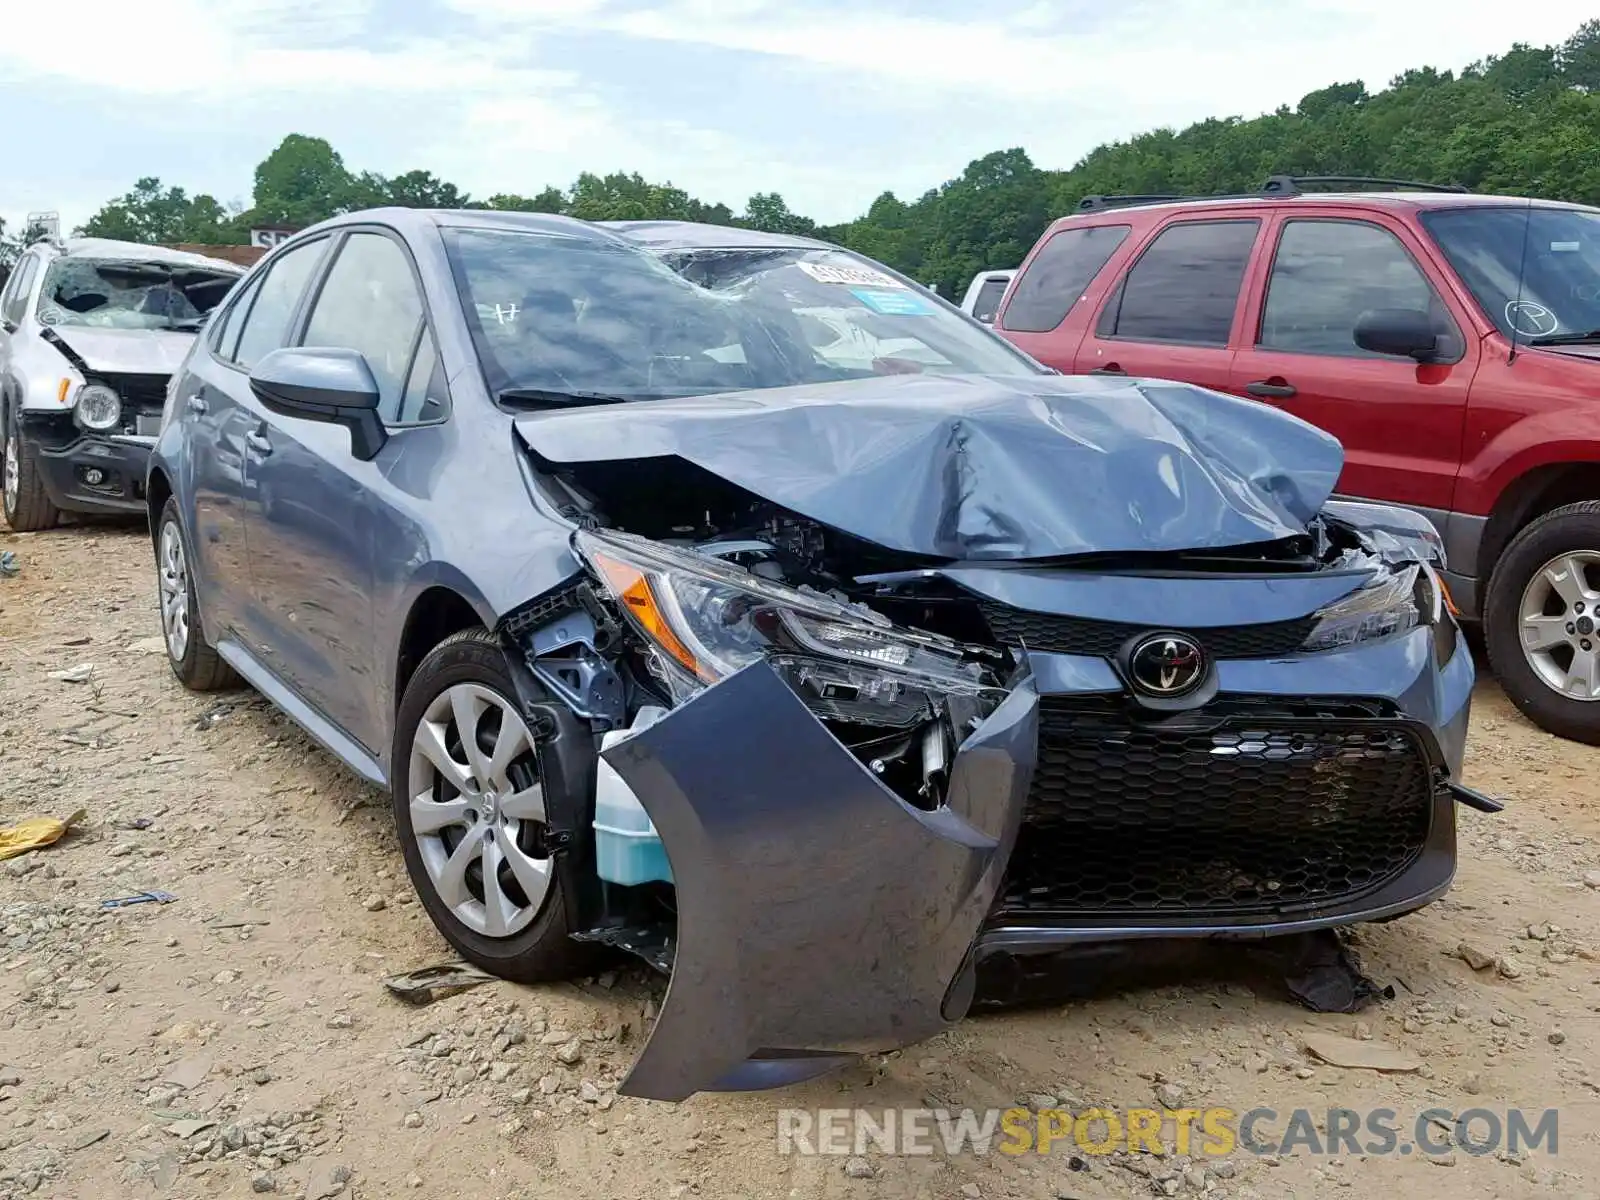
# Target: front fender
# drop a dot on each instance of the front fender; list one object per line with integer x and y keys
{"x": 819, "y": 915}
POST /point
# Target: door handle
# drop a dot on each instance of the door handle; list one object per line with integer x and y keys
{"x": 258, "y": 442}
{"x": 1108, "y": 369}
{"x": 197, "y": 403}
{"x": 1276, "y": 388}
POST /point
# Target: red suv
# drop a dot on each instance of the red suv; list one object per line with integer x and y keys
{"x": 1451, "y": 342}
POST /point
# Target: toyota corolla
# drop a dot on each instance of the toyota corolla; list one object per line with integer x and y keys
{"x": 731, "y": 600}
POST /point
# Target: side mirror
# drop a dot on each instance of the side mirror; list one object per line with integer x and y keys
{"x": 1404, "y": 332}
{"x": 331, "y": 385}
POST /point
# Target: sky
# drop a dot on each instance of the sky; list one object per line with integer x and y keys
{"x": 829, "y": 102}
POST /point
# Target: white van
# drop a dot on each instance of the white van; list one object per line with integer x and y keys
{"x": 984, "y": 294}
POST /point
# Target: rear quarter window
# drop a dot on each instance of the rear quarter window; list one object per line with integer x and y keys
{"x": 1058, "y": 275}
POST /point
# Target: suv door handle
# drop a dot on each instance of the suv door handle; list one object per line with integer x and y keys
{"x": 1108, "y": 369}
{"x": 197, "y": 403}
{"x": 1274, "y": 387}
{"x": 258, "y": 442}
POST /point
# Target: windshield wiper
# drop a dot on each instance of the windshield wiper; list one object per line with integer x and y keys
{"x": 186, "y": 324}
{"x": 1567, "y": 339}
{"x": 549, "y": 398}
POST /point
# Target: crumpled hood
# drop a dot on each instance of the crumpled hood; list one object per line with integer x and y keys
{"x": 127, "y": 351}
{"x": 986, "y": 467}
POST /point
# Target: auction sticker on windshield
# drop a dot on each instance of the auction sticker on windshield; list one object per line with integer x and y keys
{"x": 903, "y": 303}
{"x": 828, "y": 273}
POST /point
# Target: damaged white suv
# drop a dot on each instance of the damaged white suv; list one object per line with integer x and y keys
{"x": 90, "y": 333}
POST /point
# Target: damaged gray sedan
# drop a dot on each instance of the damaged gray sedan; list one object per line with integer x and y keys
{"x": 729, "y": 600}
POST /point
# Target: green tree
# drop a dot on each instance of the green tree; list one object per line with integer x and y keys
{"x": 550, "y": 200}
{"x": 423, "y": 189}
{"x": 1579, "y": 57}
{"x": 304, "y": 181}
{"x": 156, "y": 215}
{"x": 768, "y": 212}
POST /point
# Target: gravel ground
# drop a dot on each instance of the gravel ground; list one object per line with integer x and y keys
{"x": 238, "y": 1041}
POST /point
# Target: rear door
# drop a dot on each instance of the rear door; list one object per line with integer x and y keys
{"x": 1400, "y": 421}
{"x": 1173, "y": 314}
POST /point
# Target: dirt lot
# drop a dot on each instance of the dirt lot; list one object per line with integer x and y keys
{"x": 255, "y": 999}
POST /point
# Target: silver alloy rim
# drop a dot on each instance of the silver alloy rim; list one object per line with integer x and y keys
{"x": 13, "y": 469}
{"x": 173, "y": 571}
{"x": 1560, "y": 624}
{"x": 472, "y": 822}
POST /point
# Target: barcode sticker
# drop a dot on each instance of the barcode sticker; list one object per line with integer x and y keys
{"x": 850, "y": 276}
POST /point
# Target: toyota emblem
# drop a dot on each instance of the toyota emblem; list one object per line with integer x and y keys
{"x": 1167, "y": 665}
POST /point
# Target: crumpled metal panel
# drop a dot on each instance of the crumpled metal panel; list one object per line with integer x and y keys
{"x": 987, "y": 467}
{"x": 819, "y": 915}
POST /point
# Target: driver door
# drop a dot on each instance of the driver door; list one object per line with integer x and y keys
{"x": 1400, "y": 421}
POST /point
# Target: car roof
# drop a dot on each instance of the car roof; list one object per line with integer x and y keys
{"x": 1391, "y": 200}
{"x": 651, "y": 235}
{"x": 110, "y": 248}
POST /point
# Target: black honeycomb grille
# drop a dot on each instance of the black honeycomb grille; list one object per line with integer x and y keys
{"x": 1052, "y": 634}
{"x": 1231, "y": 812}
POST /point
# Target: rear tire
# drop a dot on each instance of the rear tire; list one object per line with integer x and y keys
{"x": 483, "y": 808}
{"x": 197, "y": 666}
{"x": 1545, "y": 589}
{"x": 26, "y": 504}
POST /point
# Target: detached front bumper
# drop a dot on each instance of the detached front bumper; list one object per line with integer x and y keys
{"x": 821, "y": 916}
{"x": 92, "y": 472}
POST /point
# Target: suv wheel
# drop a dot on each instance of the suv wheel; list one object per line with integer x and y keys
{"x": 469, "y": 804}
{"x": 197, "y": 666}
{"x": 1542, "y": 621}
{"x": 26, "y": 504}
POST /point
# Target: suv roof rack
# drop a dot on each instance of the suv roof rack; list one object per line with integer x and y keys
{"x": 1276, "y": 187}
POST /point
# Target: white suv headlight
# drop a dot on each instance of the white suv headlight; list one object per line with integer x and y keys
{"x": 98, "y": 407}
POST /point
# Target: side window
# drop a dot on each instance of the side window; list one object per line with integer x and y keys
{"x": 370, "y": 303}
{"x": 424, "y": 398}
{"x": 1185, "y": 286}
{"x": 17, "y": 300}
{"x": 1328, "y": 273}
{"x": 1059, "y": 273}
{"x": 265, "y": 322}
{"x": 987, "y": 301}
{"x": 224, "y": 333}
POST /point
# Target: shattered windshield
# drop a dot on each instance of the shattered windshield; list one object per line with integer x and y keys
{"x": 1534, "y": 270}
{"x": 116, "y": 294}
{"x": 582, "y": 316}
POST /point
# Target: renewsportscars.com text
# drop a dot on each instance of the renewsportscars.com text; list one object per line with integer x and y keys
{"x": 1209, "y": 1132}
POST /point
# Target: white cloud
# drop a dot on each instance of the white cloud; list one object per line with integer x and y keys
{"x": 491, "y": 104}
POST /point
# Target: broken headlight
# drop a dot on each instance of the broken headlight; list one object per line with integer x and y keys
{"x": 98, "y": 407}
{"x": 703, "y": 619}
{"x": 1397, "y": 601}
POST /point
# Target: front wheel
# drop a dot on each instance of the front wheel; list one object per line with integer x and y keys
{"x": 27, "y": 506}
{"x": 1542, "y": 621}
{"x": 469, "y": 805}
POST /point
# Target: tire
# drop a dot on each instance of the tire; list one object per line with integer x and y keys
{"x": 539, "y": 950}
{"x": 23, "y": 499}
{"x": 1513, "y": 598}
{"x": 192, "y": 659}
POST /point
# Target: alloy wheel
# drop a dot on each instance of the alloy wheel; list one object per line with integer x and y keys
{"x": 13, "y": 472}
{"x": 477, "y": 810}
{"x": 1559, "y": 624}
{"x": 173, "y": 571}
